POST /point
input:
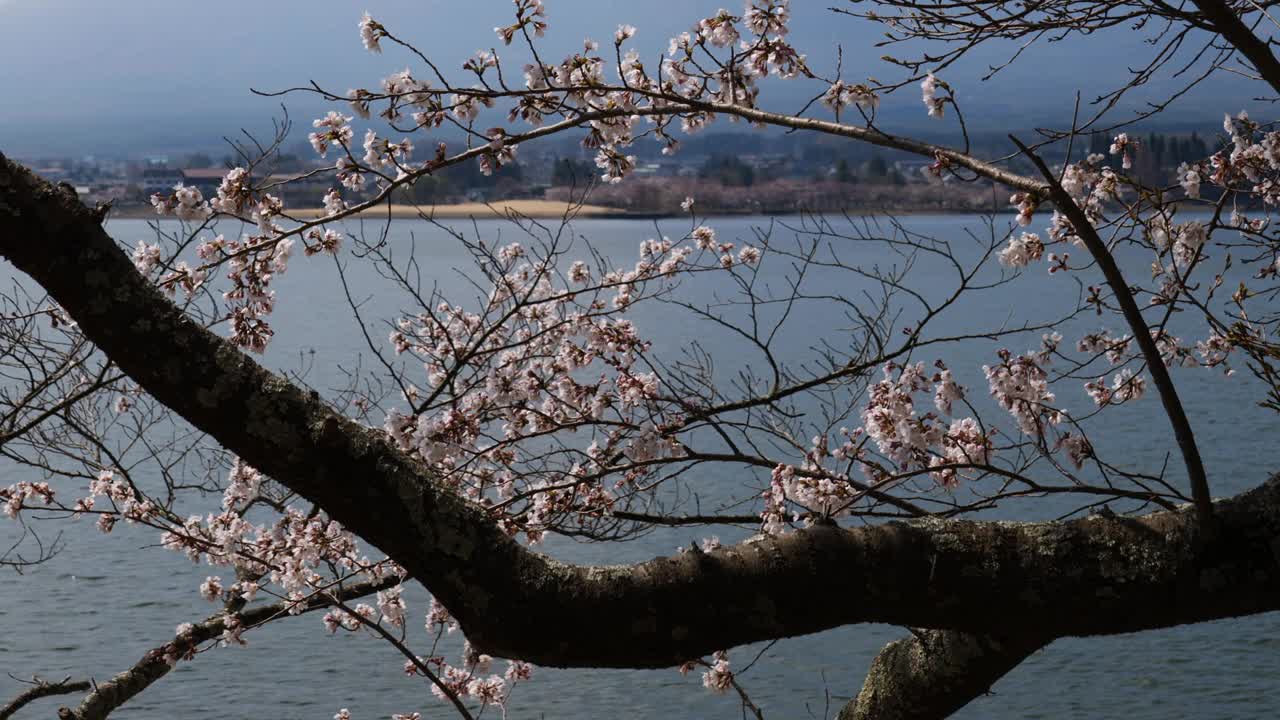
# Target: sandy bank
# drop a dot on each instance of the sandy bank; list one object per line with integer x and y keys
{"x": 552, "y": 209}
{"x": 500, "y": 208}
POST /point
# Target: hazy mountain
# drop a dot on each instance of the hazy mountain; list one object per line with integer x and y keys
{"x": 129, "y": 76}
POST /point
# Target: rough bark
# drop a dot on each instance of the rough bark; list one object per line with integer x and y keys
{"x": 935, "y": 673}
{"x": 1089, "y": 576}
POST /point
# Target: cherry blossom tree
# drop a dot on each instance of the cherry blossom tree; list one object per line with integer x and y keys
{"x": 540, "y": 407}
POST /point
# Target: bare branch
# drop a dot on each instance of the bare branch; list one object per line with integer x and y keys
{"x": 41, "y": 689}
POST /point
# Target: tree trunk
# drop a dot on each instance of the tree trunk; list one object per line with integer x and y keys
{"x": 935, "y": 673}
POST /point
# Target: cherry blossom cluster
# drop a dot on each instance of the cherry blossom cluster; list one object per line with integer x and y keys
{"x": 332, "y": 129}
{"x": 578, "y": 86}
{"x": 291, "y": 558}
{"x": 473, "y": 679}
{"x": 250, "y": 261}
{"x": 185, "y": 203}
{"x": 545, "y": 357}
{"x": 126, "y": 501}
{"x": 910, "y": 439}
{"x": 1181, "y": 241}
{"x": 1091, "y": 185}
{"x": 841, "y": 95}
{"x": 1021, "y": 385}
{"x": 717, "y": 678}
{"x": 147, "y": 259}
{"x": 251, "y": 264}
{"x": 1125, "y": 386}
{"x": 1251, "y": 164}
{"x": 288, "y": 558}
{"x": 1077, "y": 447}
{"x": 1118, "y": 349}
{"x": 1245, "y": 175}
{"x": 1179, "y": 248}
{"x": 16, "y": 496}
{"x": 287, "y": 553}
{"x": 1123, "y": 146}
{"x": 370, "y": 33}
{"x": 1022, "y": 250}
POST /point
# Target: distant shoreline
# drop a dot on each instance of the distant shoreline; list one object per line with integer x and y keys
{"x": 542, "y": 209}
{"x": 551, "y": 209}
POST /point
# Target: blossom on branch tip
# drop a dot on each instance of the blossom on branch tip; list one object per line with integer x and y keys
{"x": 146, "y": 257}
{"x": 186, "y": 203}
{"x": 211, "y": 588}
{"x": 929, "y": 94}
{"x": 333, "y": 128}
{"x": 718, "y": 678}
{"x": 839, "y": 95}
{"x": 1022, "y": 250}
{"x": 704, "y": 237}
{"x": 1121, "y": 146}
{"x": 333, "y": 202}
{"x": 1125, "y": 386}
{"x": 370, "y": 32}
{"x": 479, "y": 62}
{"x": 719, "y": 29}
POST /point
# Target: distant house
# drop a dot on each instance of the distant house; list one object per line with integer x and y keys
{"x": 296, "y": 190}
{"x": 306, "y": 190}
{"x": 54, "y": 174}
{"x": 159, "y": 180}
{"x": 206, "y": 180}
{"x": 104, "y": 190}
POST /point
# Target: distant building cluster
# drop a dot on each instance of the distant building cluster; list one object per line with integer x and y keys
{"x": 725, "y": 161}
{"x": 129, "y": 182}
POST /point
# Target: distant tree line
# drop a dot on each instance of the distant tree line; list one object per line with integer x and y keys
{"x": 1158, "y": 154}
{"x": 728, "y": 170}
{"x": 465, "y": 181}
{"x": 572, "y": 173}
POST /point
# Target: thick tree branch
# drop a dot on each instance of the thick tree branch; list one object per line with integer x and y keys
{"x": 935, "y": 673}
{"x": 1089, "y": 576}
{"x": 1230, "y": 26}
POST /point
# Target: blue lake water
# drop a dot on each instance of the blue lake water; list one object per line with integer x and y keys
{"x": 105, "y": 600}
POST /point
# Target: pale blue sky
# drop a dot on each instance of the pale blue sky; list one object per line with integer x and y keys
{"x": 77, "y": 73}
